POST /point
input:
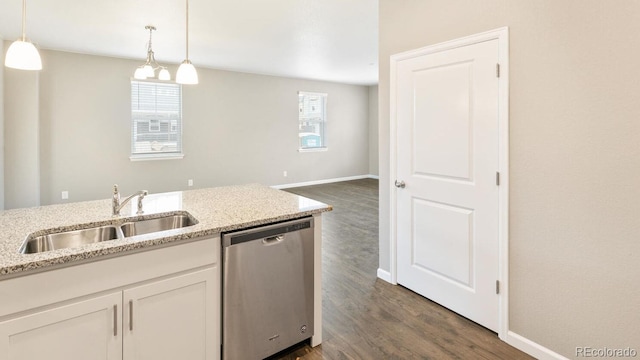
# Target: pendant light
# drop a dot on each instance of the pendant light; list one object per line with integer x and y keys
{"x": 187, "y": 72}
{"x": 148, "y": 69}
{"x": 22, "y": 54}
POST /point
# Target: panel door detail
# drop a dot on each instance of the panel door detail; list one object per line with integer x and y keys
{"x": 447, "y": 155}
{"x": 176, "y": 318}
{"x": 89, "y": 329}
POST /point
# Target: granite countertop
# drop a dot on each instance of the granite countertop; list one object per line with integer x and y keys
{"x": 216, "y": 209}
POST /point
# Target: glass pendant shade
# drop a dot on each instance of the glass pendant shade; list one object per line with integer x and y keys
{"x": 164, "y": 75}
{"x": 23, "y": 55}
{"x": 187, "y": 74}
{"x": 148, "y": 71}
{"x": 140, "y": 74}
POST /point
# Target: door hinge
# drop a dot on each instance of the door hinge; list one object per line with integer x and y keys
{"x": 497, "y": 70}
{"x": 497, "y": 286}
{"x": 497, "y": 178}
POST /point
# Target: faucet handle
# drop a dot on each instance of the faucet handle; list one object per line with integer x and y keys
{"x": 140, "y": 197}
{"x": 115, "y": 188}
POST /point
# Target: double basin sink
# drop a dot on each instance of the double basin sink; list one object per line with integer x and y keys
{"x": 76, "y": 238}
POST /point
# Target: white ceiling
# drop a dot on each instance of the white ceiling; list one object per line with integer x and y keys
{"x": 333, "y": 40}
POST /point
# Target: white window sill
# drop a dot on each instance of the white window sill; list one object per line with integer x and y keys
{"x": 152, "y": 157}
{"x": 318, "y": 149}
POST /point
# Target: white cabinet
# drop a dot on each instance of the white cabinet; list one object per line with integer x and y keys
{"x": 87, "y": 329}
{"x": 166, "y": 319}
{"x": 161, "y": 320}
{"x": 158, "y": 304}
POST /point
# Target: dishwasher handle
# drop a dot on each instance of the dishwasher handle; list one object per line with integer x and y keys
{"x": 273, "y": 240}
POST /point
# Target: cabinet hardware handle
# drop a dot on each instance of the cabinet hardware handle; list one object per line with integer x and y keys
{"x": 115, "y": 320}
{"x": 130, "y": 315}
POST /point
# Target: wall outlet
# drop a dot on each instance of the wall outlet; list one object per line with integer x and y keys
{"x": 65, "y": 195}
{"x": 284, "y": 173}
{"x": 190, "y": 182}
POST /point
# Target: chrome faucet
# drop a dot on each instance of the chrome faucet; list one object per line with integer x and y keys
{"x": 117, "y": 205}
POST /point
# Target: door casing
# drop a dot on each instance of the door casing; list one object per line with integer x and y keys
{"x": 502, "y": 35}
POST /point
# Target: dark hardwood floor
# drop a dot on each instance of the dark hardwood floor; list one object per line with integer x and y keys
{"x": 367, "y": 318}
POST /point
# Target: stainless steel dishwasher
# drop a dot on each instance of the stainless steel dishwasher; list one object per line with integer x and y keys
{"x": 267, "y": 300}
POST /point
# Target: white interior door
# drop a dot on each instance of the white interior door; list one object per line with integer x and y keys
{"x": 447, "y": 157}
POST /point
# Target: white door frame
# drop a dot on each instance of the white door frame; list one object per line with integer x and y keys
{"x": 502, "y": 35}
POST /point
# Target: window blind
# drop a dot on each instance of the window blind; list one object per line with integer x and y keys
{"x": 156, "y": 118}
{"x": 312, "y": 119}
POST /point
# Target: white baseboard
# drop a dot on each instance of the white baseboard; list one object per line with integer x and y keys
{"x": 532, "y": 348}
{"x": 371, "y": 176}
{"x": 325, "y": 181}
{"x": 384, "y": 275}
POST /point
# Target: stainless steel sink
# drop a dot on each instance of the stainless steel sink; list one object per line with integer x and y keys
{"x": 158, "y": 224}
{"x": 76, "y": 238}
{"x": 69, "y": 239}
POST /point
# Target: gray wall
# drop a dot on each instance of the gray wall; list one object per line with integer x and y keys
{"x": 21, "y": 130}
{"x": 575, "y": 157}
{"x": 238, "y": 128}
{"x": 373, "y": 130}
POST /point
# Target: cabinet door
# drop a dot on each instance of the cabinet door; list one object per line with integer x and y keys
{"x": 176, "y": 318}
{"x": 88, "y": 329}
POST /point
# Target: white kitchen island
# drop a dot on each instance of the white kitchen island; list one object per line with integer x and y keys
{"x": 153, "y": 296}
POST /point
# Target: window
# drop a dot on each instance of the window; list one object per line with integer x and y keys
{"x": 156, "y": 120}
{"x": 312, "y": 120}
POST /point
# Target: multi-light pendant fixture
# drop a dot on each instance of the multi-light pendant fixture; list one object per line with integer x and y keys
{"x": 186, "y": 72}
{"x": 148, "y": 69}
{"x": 22, "y": 54}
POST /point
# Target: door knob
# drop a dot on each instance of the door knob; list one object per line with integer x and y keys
{"x": 400, "y": 184}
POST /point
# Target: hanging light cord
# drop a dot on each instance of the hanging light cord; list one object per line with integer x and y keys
{"x": 24, "y": 20}
{"x": 187, "y": 30}
{"x": 151, "y": 57}
{"x": 149, "y": 47}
